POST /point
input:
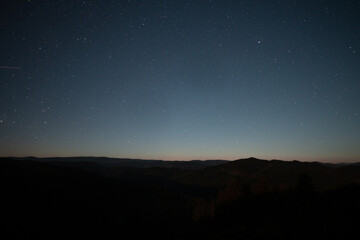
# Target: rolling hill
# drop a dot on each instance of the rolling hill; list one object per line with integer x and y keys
{"x": 102, "y": 197}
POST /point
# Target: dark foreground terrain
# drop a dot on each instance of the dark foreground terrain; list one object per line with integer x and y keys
{"x": 82, "y": 198}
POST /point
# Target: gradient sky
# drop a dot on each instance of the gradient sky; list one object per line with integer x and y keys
{"x": 181, "y": 79}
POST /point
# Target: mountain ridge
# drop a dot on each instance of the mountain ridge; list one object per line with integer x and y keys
{"x": 178, "y": 201}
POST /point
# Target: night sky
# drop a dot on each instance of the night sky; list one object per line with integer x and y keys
{"x": 181, "y": 79}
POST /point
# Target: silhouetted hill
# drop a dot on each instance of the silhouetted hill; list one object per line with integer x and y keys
{"x": 128, "y": 162}
{"x": 276, "y": 174}
{"x": 72, "y": 198}
{"x": 64, "y": 201}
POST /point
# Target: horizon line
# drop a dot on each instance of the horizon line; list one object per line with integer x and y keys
{"x": 177, "y": 160}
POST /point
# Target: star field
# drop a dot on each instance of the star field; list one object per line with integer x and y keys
{"x": 181, "y": 79}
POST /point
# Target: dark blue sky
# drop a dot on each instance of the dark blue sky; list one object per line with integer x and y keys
{"x": 181, "y": 79}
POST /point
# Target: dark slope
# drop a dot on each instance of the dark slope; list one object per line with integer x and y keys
{"x": 127, "y": 162}
{"x": 44, "y": 200}
{"x": 276, "y": 174}
{"x": 243, "y": 199}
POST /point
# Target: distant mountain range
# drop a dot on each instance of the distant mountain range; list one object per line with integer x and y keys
{"x": 91, "y": 196}
{"x": 126, "y": 162}
{"x": 148, "y": 163}
{"x": 257, "y": 173}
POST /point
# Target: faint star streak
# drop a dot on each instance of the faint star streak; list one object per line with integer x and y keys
{"x": 9, "y": 67}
